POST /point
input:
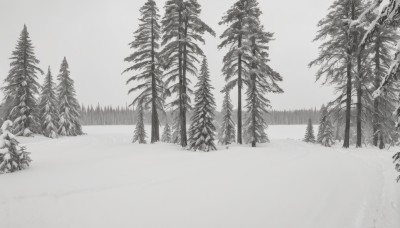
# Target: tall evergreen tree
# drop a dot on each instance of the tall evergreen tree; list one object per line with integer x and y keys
{"x": 48, "y": 108}
{"x": 337, "y": 53}
{"x": 309, "y": 136}
{"x": 21, "y": 87}
{"x": 183, "y": 31}
{"x": 69, "y": 119}
{"x": 361, "y": 81}
{"x": 140, "y": 133}
{"x": 166, "y": 136}
{"x": 388, "y": 17}
{"x": 13, "y": 157}
{"x": 227, "y": 130}
{"x": 147, "y": 64}
{"x": 383, "y": 43}
{"x": 262, "y": 78}
{"x": 202, "y": 129}
{"x": 234, "y": 37}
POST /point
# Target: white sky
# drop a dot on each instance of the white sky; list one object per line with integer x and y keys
{"x": 94, "y": 36}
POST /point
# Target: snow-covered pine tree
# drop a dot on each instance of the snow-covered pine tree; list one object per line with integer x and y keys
{"x": 13, "y": 157}
{"x": 183, "y": 30}
{"x": 21, "y": 87}
{"x": 68, "y": 106}
{"x": 361, "y": 83}
{"x": 147, "y": 65}
{"x": 309, "y": 136}
{"x": 48, "y": 107}
{"x": 382, "y": 44}
{"x": 322, "y": 123}
{"x": 262, "y": 79}
{"x": 166, "y": 136}
{"x": 388, "y": 16}
{"x": 140, "y": 133}
{"x": 327, "y": 138}
{"x": 202, "y": 129}
{"x": 337, "y": 53}
{"x": 233, "y": 38}
{"x": 227, "y": 130}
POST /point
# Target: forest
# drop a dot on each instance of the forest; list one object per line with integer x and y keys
{"x": 127, "y": 116}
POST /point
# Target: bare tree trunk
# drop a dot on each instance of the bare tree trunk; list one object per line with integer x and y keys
{"x": 375, "y": 127}
{"x": 155, "y": 123}
{"x": 359, "y": 101}
{"x": 184, "y": 89}
{"x": 239, "y": 111}
{"x": 182, "y": 114}
{"x": 346, "y": 143}
{"x": 253, "y": 88}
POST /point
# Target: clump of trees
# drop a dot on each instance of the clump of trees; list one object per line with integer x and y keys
{"x": 246, "y": 65}
{"x": 356, "y": 66}
{"x": 57, "y": 110}
{"x": 167, "y": 55}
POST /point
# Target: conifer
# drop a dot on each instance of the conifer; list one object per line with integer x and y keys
{"x": 202, "y": 128}
{"x": 13, "y": 157}
{"x": 183, "y": 31}
{"x": 48, "y": 108}
{"x": 21, "y": 88}
{"x": 227, "y": 130}
{"x": 69, "y": 117}
{"x": 140, "y": 132}
{"x": 309, "y": 136}
{"x": 147, "y": 65}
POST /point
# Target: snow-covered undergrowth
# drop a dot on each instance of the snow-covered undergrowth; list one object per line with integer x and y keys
{"x": 102, "y": 180}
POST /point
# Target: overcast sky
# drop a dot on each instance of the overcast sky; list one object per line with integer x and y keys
{"x": 94, "y": 36}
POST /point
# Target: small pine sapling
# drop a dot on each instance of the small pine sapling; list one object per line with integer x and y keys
{"x": 309, "y": 136}
{"x": 140, "y": 133}
{"x": 48, "y": 109}
{"x": 227, "y": 131}
{"x": 327, "y": 138}
{"x": 322, "y": 124}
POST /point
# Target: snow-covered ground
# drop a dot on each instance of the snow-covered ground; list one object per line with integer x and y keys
{"x": 102, "y": 180}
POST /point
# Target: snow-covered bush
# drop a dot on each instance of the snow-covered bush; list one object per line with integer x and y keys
{"x": 13, "y": 157}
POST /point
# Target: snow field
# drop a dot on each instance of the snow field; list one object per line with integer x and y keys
{"x": 102, "y": 180}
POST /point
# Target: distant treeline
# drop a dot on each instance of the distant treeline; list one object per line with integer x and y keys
{"x": 127, "y": 116}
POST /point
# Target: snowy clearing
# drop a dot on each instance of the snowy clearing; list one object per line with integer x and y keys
{"x": 102, "y": 180}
